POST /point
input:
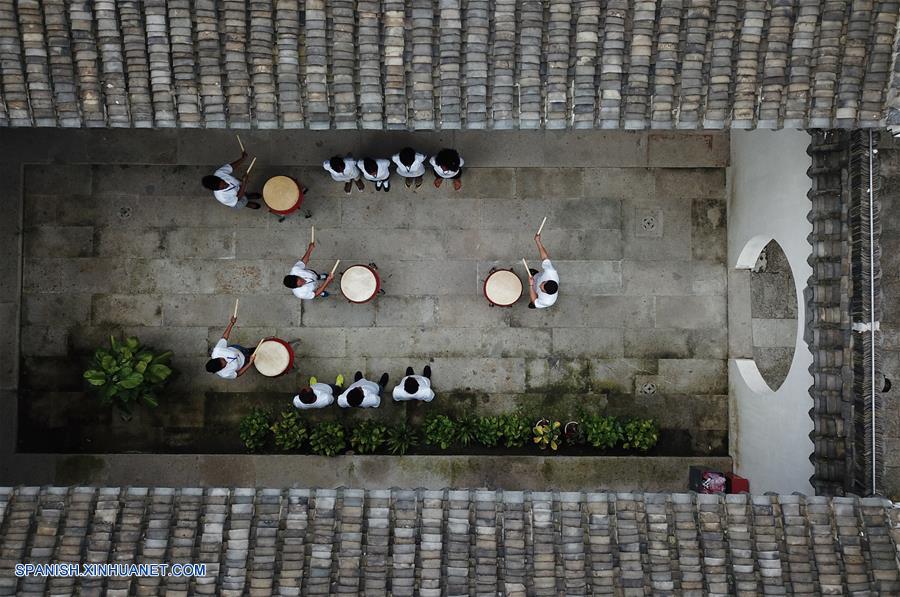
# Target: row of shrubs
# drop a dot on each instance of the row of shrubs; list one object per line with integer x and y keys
{"x": 289, "y": 433}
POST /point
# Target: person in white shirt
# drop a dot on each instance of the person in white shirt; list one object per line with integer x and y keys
{"x": 344, "y": 170}
{"x": 304, "y": 282}
{"x": 447, "y": 164}
{"x": 543, "y": 286}
{"x": 363, "y": 393}
{"x": 229, "y": 361}
{"x": 227, "y": 189}
{"x": 415, "y": 387}
{"x": 410, "y": 165}
{"x": 318, "y": 395}
{"x": 378, "y": 171}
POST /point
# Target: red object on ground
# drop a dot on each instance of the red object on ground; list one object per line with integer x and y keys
{"x": 736, "y": 484}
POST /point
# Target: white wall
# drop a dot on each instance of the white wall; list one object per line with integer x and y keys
{"x": 769, "y": 431}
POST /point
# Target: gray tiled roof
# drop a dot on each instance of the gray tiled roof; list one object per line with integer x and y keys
{"x": 452, "y": 542}
{"x": 827, "y": 330}
{"x": 448, "y": 64}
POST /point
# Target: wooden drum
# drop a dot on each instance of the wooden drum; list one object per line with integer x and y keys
{"x": 282, "y": 194}
{"x": 360, "y": 283}
{"x": 502, "y": 287}
{"x": 274, "y": 357}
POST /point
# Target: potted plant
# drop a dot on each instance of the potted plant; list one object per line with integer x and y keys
{"x": 367, "y": 437}
{"x": 640, "y": 434}
{"x": 255, "y": 428}
{"x": 547, "y": 434}
{"x": 440, "y": 431}
{"x": 572, "y": 433}
{"x": 400, "y": 438}
{"x": 601, "y": 432}
{"x": 289, "y": 431}
{"x": 515, "y": 430}
{"x": 488, "y": 431}
{"x": 466, "y": 429}
{"x": 327, "y": 439}
{"x": 128, "y": 373}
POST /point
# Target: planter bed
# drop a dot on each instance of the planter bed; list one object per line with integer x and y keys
{"x": 74, "y": 422}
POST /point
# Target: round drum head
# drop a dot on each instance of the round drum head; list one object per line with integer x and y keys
{"x": 281, "y": 193}
{"x": 503, "y": 287}
{"x": 358, "y": 283}
{"x": 272, "y": 358}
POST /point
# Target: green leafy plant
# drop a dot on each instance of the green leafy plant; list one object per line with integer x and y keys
{"x": 516, "y": 430}
{"x": 368, "y": 436}
{"x": 466, "y": 428}
{"x": 547, "y": 434}
{"x": 400, "y": 438}
{"x": 488, "y": 431}
{"x": 289, "y": 431}
{"x": 440, "y": 431}
{"x": 127, "y": 373}
{"x": 602, "y": 432}
{"x": 327, "y": 439}
{"x": 255, "y": 428}
{"x": 640, "y": 434}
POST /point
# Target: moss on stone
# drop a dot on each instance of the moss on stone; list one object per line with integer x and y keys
{"x": 79, "y": 470}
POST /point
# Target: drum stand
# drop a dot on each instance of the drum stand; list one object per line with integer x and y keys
{"x": 381, "y": 284}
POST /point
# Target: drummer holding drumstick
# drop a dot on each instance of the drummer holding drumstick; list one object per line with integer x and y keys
{"x": 227, "y": 189}
{"x": 304, "y": 282}
{"x": 229, "y": 361}
{"x": 543, "y": 286}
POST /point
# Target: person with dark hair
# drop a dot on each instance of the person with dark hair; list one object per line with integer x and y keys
{"x": 447, "y": 164}
{"x": 363, "y": 393}
{"x": 415, "y": 387}
{"x": 378, "y": 171}
{"x": 306, "y": 283}
{"x": 543, "y": 286}
{"x": 318, "y": 395}
{"x": 227, "y": 189}
{"x": 344, "y": 169}
{"x": 410, "y": 165}
{"x": 229, "y": 361}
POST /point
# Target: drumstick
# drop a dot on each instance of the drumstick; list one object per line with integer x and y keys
{"x": 257, "y": 347}
{"x": 236, "y": 303}
{"x": 250, "y": 167}
{"x": 335, "y": 266}
{"x": 542, "y": 226}
{"x": 312, "y": 235}
{"x": 239, "y": 142}
{"x": 527, "y": 271}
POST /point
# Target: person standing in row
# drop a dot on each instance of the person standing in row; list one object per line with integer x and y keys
{"x": 414, "y": 387}
{"x": 377, "y": 171}
{"x": 543, "y": 286}
{"x": 344, "y": 169}
{"x": 229, "y": 361}
{"x": 447, "y": 164}
{"x": 228, "y": 190}
{"x": 318, "y": 395}
{"x": 410, "y": 165}
{"x": 304, "y": 282}
{"x": 363, "y": 393}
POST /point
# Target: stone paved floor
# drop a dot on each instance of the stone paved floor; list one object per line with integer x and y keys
{"x": 145, "y": 250}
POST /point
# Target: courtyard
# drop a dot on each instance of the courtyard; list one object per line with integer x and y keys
{"x": 640, "y": 329}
